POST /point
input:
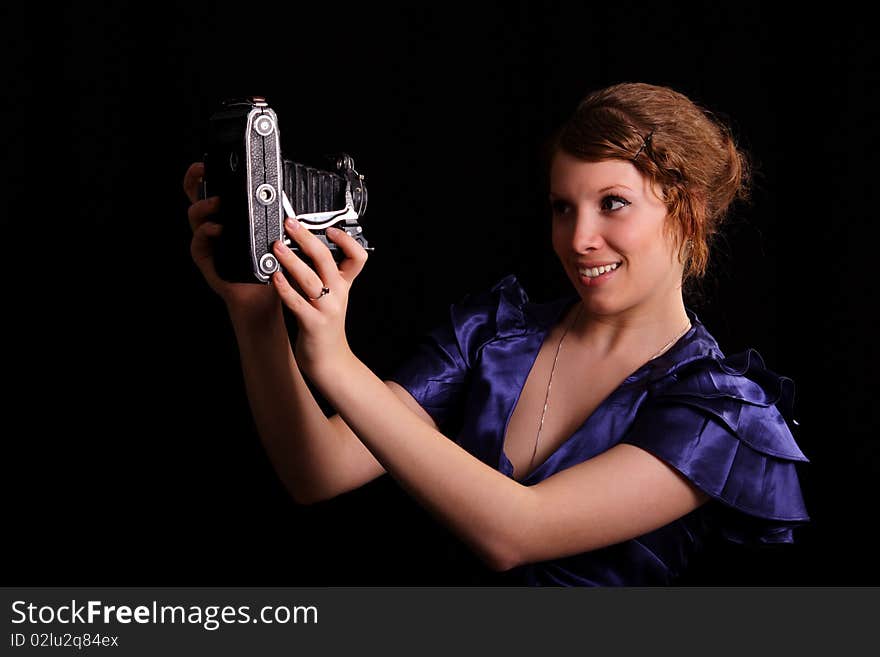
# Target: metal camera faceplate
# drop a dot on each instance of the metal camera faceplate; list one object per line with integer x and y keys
{"x": 259, "y": 188}
{"x": 264, "y": 186}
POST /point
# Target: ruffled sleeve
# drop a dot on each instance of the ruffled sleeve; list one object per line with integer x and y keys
{"x": 724, "y": 423}
{"x": 436, "y": 373}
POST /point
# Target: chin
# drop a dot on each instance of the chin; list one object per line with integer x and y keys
{"x": 597, "y": 301}
{"x": 602, "y": 307}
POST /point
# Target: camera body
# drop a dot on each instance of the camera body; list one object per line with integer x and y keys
{"x": 258, "y": 188}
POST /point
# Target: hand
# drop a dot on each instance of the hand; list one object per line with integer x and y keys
{"x": 252, "y": 299}
{"x": 321, "y": 343}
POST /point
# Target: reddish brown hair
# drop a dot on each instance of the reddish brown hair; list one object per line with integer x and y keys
{"x": 691, "y": 157}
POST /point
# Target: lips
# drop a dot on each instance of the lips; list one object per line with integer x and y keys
{"x": 589, "y": 280}
{"x": 597, "y": 270}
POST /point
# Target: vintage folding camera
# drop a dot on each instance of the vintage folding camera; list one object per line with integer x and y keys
{"x": 258, "y": 188}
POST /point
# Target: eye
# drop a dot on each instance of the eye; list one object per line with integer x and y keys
{"x": 614, "y": 199}
{"x": 559, "y": 207}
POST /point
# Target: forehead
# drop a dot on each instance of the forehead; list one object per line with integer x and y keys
{"x": 570, "y": 175}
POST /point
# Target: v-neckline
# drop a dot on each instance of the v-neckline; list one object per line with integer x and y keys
{"x": 543, "y": 334}
{"x": 504, "y": 462}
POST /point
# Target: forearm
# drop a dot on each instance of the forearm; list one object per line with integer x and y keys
{"x": 486, "y": 509}
{"x": 314, "y": 457}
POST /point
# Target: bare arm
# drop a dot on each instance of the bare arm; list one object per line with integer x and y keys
{"x": 316, "y": 457}
{"x": 620, "y": 494}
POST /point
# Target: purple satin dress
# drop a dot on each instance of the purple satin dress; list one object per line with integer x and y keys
{"x": 723, "y": 422}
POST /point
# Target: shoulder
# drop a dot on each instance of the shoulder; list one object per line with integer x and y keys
{"x": 727, "y": 423}
{"x": 749, "y": 399}
{"x": 499, "y": 306}
{"x": 500, "y": 311}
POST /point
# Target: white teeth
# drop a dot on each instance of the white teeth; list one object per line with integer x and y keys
{"x": 596, "y": 271}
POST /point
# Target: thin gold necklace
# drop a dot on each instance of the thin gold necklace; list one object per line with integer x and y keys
{"x": 549, "y": 382}
{"x": 553, "y": 369}
{"x": 672, "y": 341}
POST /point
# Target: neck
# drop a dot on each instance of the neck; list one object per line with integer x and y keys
{"x": 638, "y": 332}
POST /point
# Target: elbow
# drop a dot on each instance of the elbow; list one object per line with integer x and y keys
{"x": 502, "y": 558}
{"x": 303, "y": 496}
{"x": 502, "y": 565}
{"x": 510, "y": 547}
{"x": 505, "y": 563}
{"x": 299, "y": 500}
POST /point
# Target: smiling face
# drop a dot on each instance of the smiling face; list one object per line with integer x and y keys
{"x": 609, "y": 234}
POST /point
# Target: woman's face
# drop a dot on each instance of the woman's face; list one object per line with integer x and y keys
{"x": 605, "y": 215}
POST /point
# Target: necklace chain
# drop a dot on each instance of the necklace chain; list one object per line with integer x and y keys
{"x": 553, "y": 369}
{"x": 672, "y": 341}
{"x": 549, "y": 382}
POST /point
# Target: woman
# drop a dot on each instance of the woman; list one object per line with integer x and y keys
{"x": 594, "y": 440}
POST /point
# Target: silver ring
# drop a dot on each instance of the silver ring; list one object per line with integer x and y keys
{"x": 324, "y": 290}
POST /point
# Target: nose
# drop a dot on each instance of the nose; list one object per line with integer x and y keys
{"x": 586, "y": 232}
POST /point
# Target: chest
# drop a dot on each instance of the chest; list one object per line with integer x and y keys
{"x": 540, "y": 422}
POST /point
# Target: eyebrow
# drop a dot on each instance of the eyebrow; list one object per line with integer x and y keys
{"x": 604, "y": 189}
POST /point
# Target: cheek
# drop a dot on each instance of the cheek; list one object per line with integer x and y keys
{"x": 633, "y": 238}
{"x": 627, "y": 240}
{"x": 558, "y": 236}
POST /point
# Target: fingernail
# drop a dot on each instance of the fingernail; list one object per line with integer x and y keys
{"x": 332, "y": 231}
{"x": 291, "y": 223}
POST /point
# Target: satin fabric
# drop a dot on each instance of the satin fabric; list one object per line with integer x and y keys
{"x": 723, "y": 422}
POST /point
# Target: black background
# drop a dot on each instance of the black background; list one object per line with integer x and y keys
{"x": 130, "y": 453}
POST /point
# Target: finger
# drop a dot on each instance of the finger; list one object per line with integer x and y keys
{"x": 202, "y": 250}
{"x": 320, "y": 255}
{"x": 199, "y": 211}
{"x": 191, "y": 180}
{"x": 302, "y": 274}
{"x": 297, "y": 303}
{"x": 355, "y": 254}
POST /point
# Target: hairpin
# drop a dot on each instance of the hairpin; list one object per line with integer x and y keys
{"x": 646, "y": 141}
